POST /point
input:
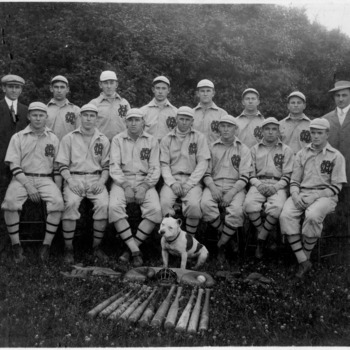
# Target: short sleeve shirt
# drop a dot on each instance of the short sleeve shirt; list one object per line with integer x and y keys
{"x": 111, "y": 114}
{"x": 295, "y": 132}
{"x": 33, "y": 153}
{"x": 207, "y": 120}
{"x": 315, "y": 169}
{"x": 159, "y": 121}
{"x": 62, "y": 120}
{"x": 249, "y": 129}
{"x": 74, "y": 153}
{"x": 135, "y": 159}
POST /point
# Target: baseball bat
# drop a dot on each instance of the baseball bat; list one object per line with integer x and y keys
{"x": 149, "y": 312}
{"x": 116, "y": 313}
{"x": 173, "y": 311}
{"x": 135, "y": 316}
{"x": 93, "y": 312}
{"x": 163, "y": 309}
{"x": 204, "y": 320}
{"x": 114, "y": 305}
{"x": 183, "y": 320}
{"x": 193, "y": 323}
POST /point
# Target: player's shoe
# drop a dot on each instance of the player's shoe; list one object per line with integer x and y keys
{"x": 125, "y": 257}
{"x": 44, "y": 252}
{"x": 68, "y": 255}
{"x": 137, "y": 260}
{"x": 17, "y": 251}
{"x": 259, "y": 252}
{"x": 100, "y": 254}
{"x": 304, "y": 268}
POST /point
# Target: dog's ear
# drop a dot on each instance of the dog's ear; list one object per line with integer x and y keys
{"x": 179, "y": 221}
{"x": 168, "y": 216}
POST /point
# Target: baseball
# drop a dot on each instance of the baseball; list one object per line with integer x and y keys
{"x": 201, "y": 278}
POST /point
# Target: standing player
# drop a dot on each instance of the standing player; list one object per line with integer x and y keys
{"x": 207, "y": 114}
{"x": 250, "y": 120}
{"x": 225, "y": 180}
{"x": 317, "y": 179}
{"x": 135, "y": 171}
{"x": 63, "y": 115}
{"x": 30, "y": 155}
{"x": 184, "y": 156}
{"x": 160, "y": 114}
{"x": 83, "y": 158}
{"x": 294, "y": 128}
{"x": 111, "y": 106}
{"x": 272, "y": 167}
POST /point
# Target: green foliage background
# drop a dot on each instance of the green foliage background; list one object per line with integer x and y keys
{"x": 272, "y": 48}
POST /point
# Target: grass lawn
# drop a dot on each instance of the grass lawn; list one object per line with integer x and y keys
{"x": 42, "y": 308}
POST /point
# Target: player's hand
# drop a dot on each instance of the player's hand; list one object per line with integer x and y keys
{"x": 177, "y": 189}
{"x": 76, "y": 187}
{"x": 309, "y": 199}
{"x": 227, "y": 198}
{"x": 262, "y": 188}
{"x": 97, "y": 187}
{"x": 216, "y": 193}
{"x": 298, "y": 202}
{"x": 33, "y": 193}
{"x": 129, "y": 195}
{"x": 185, "y": 189}
{"x": 140, "y": 194}
{"x": 270, "y": 191}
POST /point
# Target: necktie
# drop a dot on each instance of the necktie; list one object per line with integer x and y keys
{"x": 13, "y": 114}
{"x": 341, "y": 117}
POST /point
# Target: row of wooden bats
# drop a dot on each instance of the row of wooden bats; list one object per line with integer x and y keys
{"x": 140, "y": 307}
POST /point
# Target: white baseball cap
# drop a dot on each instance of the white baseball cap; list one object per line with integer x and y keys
{"x": 108, "y": 75}
{"x": 205, "y": 83}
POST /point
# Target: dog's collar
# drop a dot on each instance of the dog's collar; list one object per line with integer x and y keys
{"x": 173, "y": 240}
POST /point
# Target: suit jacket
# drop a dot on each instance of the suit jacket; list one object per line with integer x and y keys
{"x": 339, "y": 137}
{"x": 8, "y": 128}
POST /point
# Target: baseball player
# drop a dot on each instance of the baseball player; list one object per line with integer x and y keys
{"x": 272, "y": 167}
{"x": 225, "y": 180}
{"x": 317, "y": 178}
{"x": 31, "y": 157}
{"x": 250, "y": 120}
{"x": 294, "y": 129}
{"x": 159, "y": 114}
{"x": 63, "y": 116}
{"x": 184, "y": 156}
{"x": 207, "y": 114}
{"x": 111, "y": 106}
{"x": 83, "y": 159}
{"x": 135, "y": 170}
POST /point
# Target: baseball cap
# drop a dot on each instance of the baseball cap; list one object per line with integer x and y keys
{"x": 161, "y": 78}
{"x": 205, "y": 83}
{"x": 184, "y": 110}
{"x": 250, "y": 90}
{"x": 270, "y": 120}
{"x": 59, "y": 78}
{"x": 37, "y": 106}
{"x": 108, "y": 75}
{"x": 89, "y": 107}
{"x": 134, "y": 112}
{"x": 228, "y": 119}
{"x": 11, "y": 78}
{"x": 320, "y": 123}
{"x": 297, "y": 94}
{"x": 340, "y": 85}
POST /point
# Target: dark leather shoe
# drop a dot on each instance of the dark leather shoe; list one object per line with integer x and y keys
{"x": 137, "y": 260}
{"x": 17, "y": 251}
{"x": 125, "y": 257}
{"x": 304, "y": 268}
{"x": 259, "y": 252}
{"x": 68, "y": 256}
{"x": 44, "y": 252}
{"x": 100, "y": 254}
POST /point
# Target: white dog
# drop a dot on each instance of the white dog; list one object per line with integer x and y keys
{"x": 178, "y": 242}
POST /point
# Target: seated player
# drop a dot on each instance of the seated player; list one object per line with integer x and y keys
{"x": 272, "y": 167}
{"x": 184, "y": 156}
{"x": 225, "y": 179}
{"x": 135, "y": 170}
{"x": 317, "y": 178}
{"x": 31, "y": 157}
{"x": 83, "y": 157}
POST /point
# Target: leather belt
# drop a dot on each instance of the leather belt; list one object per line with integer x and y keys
{"x": 97, "y": 172}
{"x": 268, "y": 178}
{"x": 38, "y": 175}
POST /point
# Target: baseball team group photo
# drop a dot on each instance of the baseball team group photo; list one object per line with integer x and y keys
{"x": 165, "y": 183}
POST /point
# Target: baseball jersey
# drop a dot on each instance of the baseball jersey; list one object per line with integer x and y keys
{"x": 181, "y": 155}
{"x": 295, "y": 132}
{"x": 206, "y": 121}
{"x": 272, "y": 161}
{"x": 111, "y": 113}
{"x": 134, "y": 160}
{"x": 64, "y": 119}
{"x": 77, "y": 156}
{"x": 314, "y": 169}
{"x": 249, "y": 129}
{"x": 159, "y": 121}
{"x": 33, "y": 153}
{"x": 228, "y": 163}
